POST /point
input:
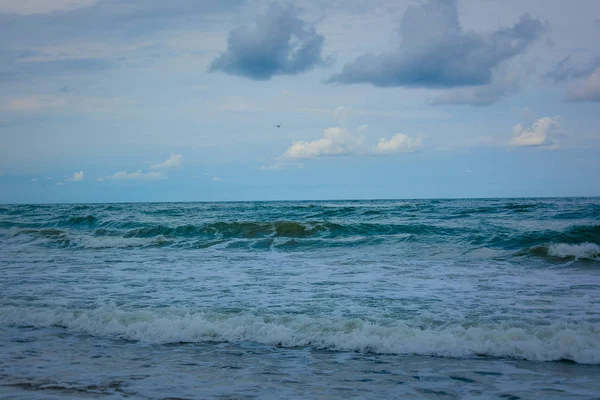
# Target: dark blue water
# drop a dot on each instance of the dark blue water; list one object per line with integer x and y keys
{"x": 366, "y": 299}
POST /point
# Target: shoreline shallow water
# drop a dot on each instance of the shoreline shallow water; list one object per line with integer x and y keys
{"x": 249, "y": 370}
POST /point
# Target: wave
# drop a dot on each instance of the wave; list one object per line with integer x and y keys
{"x": 583, "y": 251}
{"x": 82, "y": 220}
{"x": 44, "y": 232}
{"x": 579, "y": 242}
{"x": 108, "y": 242}
{"x": 291, "y": 229}
{"x": 559, "y": 341}
{"x": 504, "y": 238}
{"x": 250, "y": 229}
{"x": 579, "y": 251}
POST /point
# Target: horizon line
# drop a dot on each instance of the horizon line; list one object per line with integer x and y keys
{"x": 303, "y": 200}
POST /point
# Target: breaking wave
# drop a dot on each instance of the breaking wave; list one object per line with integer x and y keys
{"x": 559, "y": 341}
{"x": 564, "y": 251}
{"x": 586, "y": 251}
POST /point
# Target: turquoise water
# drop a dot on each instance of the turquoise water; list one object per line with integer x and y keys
{"x": 496, "y": 298}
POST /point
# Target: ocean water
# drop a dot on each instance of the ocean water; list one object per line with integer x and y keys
{"x": 440, "y": 299}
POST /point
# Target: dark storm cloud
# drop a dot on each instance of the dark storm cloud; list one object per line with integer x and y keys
{"x": 436, "y": 53}
{"x": 280, "y": 44}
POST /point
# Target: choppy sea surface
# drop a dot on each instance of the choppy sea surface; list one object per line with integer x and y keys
{"x": 440, "y": 299}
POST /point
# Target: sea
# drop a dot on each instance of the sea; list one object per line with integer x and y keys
{"x": 378, "y": 299}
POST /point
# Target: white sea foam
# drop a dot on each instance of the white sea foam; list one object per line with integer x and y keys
{"x": 579, "y": 251}
{"x": 577, "y": 342}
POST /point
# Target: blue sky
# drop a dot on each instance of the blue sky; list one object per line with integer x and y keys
{"x": 146, "y": 100}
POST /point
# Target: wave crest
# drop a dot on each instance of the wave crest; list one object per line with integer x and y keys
{"x": 559, "y": 341}
{"x": 583, "y": 251}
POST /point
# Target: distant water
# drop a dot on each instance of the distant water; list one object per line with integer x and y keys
{"x": 494, "y": 298}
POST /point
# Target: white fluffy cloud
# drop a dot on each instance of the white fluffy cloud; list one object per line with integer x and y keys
{"x": 336, "y": 141}
{"x": 137, "y": 175}
{"x": 173, "y": 162}
{"x": 587, "y": 90}
{"x": 77, "y": 176}
{"x": 541, "y": 134}
{"x": 399, "y": 143}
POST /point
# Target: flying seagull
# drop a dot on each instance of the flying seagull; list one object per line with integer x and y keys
{"x": 278, "y": 125}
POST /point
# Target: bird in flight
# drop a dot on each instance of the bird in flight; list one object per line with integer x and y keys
{"x": 278, "y": 125}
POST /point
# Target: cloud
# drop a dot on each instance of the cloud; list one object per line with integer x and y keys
{"x": 31, "y": 104}
{"x": 100, "y": 19}
{"x": 567, "y": 70}
{"x": 67, "y": 104}
{"x": 28, "y": 65}
{"x": 502, "y": 85}
{"x": 173, "y": 162}
{"x": 214, "y": 178}
{"x": 340, "y": 114}
{"x": 34, "y": 179}
{"x": 399, "y": 143}
{"x": 137, "y": 175}
{"x": 363, "y": 128}
{"x": 80, "y": 36}
{"x": 279, "y": 44}
{"x": 411, "y": 115}
{"x": 28, "y": 7}
{"x": 77, "y": 176}
{"x": 584, "y": 77}
{"x": 541, "y": 134}
{"x": 435, "y": 52}
{"x": 586, "y": 90}
{"x": 336, "y": 141}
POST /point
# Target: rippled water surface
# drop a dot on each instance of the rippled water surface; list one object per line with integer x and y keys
{"x": 495, "y": 298}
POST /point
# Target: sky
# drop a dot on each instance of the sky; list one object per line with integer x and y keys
{"x": 147, "y": 100}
